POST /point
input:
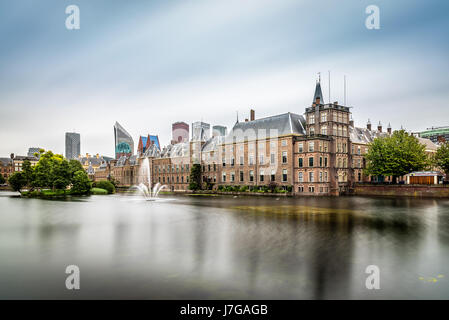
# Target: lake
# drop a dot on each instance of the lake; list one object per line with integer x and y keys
{"x": 224, "y": 247}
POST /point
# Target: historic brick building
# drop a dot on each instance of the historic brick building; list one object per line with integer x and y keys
{"x": 318, "y": 153}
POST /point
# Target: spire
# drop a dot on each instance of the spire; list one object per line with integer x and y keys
{"x": 318, "y": 93}
{"x": 237, "y": 117}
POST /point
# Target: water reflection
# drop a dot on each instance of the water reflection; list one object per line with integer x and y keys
{"x": 223, "y": 247}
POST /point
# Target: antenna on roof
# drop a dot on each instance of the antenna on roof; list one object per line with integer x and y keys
{"x": 329, "y": 86}
{"x": 344, "y": 79}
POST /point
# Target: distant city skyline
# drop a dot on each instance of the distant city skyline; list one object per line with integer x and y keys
{"x": 147, "y": 65}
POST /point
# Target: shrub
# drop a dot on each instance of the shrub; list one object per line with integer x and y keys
{"x": 98, "y": 191}
{"x": 243, "y": 188}
{"x": 106, "y": 185}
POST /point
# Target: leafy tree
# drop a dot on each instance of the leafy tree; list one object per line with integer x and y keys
{"x": 28, "y": 173}
{"x": 2, "y": 179}
{"x": 80, "y": 183}
{"x": 195, "y": 177}
{"x": 442, "y": 157}
{"x": 17, "y": 181}
{"x": 61, "y": 175}
{"x": 395, "y": 155}
{"x": 75, "y": 166}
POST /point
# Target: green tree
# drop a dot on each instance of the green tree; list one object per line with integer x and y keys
{"x": 195, "y": 177}
{"x": 80, "y": 183}
{"x": 28, "y": 173}
{"x": 442, "y": 157}
{"x": 75, "y": 166}
{"x": 61, "y": 174}
{"x": 395, "y": 155}
{"x": 17, "y": 181}
{"x": 2, "y": 179}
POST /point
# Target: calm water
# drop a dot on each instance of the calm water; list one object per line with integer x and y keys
{"x": 224, "y": 247}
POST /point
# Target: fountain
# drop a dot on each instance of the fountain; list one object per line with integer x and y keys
{"x": 150, "y": 194}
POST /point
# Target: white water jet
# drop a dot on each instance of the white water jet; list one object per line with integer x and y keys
{"x": 148, "y": 192}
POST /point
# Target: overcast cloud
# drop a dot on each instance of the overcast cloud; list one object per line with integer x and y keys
{"x": 148, "y": 64}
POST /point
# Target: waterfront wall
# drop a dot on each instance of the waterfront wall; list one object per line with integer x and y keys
{"x": 430, "y": 191}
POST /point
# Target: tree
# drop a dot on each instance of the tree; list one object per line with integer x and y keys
{"x": 395, "y": 155}
{"x": 61, "y": 175}
{"x": 2, "y": 179}
{"x": 28, "y": 173}
{"x": 442, "y": 157}
{"x": 80, "y": 183}
{"x": 17, "y": 181}
{"x": 75, "y": 166}
{"x": 195, "y": 177}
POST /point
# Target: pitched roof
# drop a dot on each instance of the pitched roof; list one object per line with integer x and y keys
{"x": 278, "y": 125}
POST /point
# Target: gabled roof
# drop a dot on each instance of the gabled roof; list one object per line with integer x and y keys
{"x": 155, "y": 140}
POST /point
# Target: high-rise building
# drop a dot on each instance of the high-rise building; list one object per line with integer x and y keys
{"x": 219, "y": 131}
{"x": 124, "y": 144}
{"x": 180, "y": 132}
{"x": 72, "y": 145}
{"x": 436, "y": 134}
{"x": 200, "y": 131}
{"x": 32, "y": 151}
{"x": 146, "y": 142}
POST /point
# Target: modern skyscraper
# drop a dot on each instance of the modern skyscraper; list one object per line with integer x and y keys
{"x": 200, "y": 131}
{"x": 72, "y": 145}
{"x": 33, "y": 150}
{"x": 124, "y": 144}
{"x": 180, "y": 132}
{"x": 219, "y": 131}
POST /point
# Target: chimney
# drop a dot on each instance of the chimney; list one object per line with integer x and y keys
{"x": 246, "y": 120}
{"x": 368, "y": 125}
{"x": 336, "y": 103}
{"x": 98, "y": 156}
{"x": 379, "y": 127}
{"x": 389, "y": 128}
{"x": 252, "y": 115}
{"x": 317, "y": 100}
{"x": 351, "y": 122}
{"x": 12, "y": 155}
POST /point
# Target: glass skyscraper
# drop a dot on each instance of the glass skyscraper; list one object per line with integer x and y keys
{"x": 124, "y": 144}
{"x": 72, "y": 145}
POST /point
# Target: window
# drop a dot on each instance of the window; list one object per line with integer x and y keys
{"x": 261, "y": 159}
{"x": 311, "y": 146}
{"x": 359, "y": 176}
{"x": 311, "y": 162}
{"x": 300, "y": 162}
{"x": 358, "y": 150}
{"x": 321, "y": 161}
{"x": 325, "y": 176}
{"x": 272, "y": 158}
{"x": 311, "y": 118}
{"x": 284, "y": 156}
{"x": 261, "y": 176}
{"x": 301, "y": 176}
{"x": 251, "y": 175}
{"x": 251, "y": 160}
{"x": 232, "y": 161}
{"x": 300, "y": 189}
{"x": 312, "y": 131}
{"x": 232, "y": 176}
{"x": 324, "y": 117}
{"x": 311, "y": 178}
{"x": 223, "y": 178}
{"x": 284, "y": 175}
{"x": 321, "y": 176}
{"x": 335, "y": 130}
{"x": 300, "y": 147}
{"x": 325, "y": 161}
{"x": 284, "y": 143}
{"x": 273, "y": 175}
{"x": 324, "y": 130}
{"x": 311, "y": 189}
{"x": 241, "y": 176}
{"x": 241, "y": 160}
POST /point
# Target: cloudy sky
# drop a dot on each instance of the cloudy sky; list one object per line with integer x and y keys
{"x": 147, "y": 64}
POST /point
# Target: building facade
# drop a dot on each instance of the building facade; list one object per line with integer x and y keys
{"x": 318, "y": 153}
{"x": 124, "y": 143}
{"x": 72, "y": 145}
{"x": 180, "y": 132}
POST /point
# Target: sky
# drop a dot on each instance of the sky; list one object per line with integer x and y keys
{"x": 147, "y": 64}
